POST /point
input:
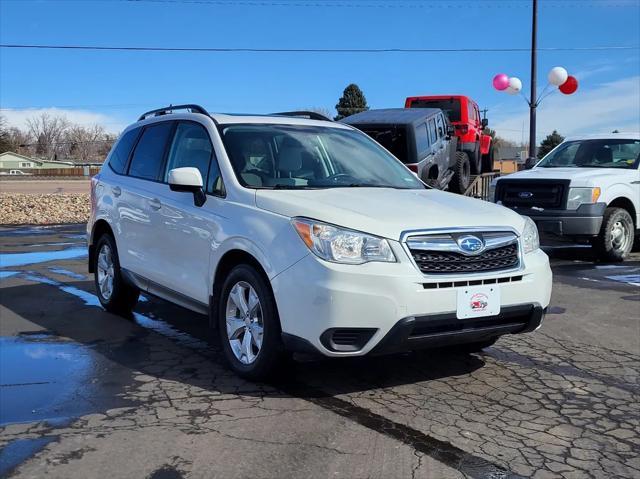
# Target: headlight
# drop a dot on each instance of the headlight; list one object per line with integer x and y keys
{"x": 340, "y": 245}
{"x": 579, "y": 196}
{"x": 530, "y": 238}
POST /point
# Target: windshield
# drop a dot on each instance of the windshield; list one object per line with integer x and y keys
{"x": 306, "y": 157}
{"x": 608, "y": 153}
{"x": 450, "y": 106}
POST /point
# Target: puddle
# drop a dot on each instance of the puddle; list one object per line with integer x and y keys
{"x": 66, "y": 272}
{"x": 8, "y": 260}
{"x": 18, "y": 451}
{"x": 632, "y": 279}
{"x": 44, "y": 379}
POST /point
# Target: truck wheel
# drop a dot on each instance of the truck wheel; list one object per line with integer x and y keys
{"x": 114, "y": 294}
{"x": 248, "y": 324}
{"x": 487, "y": 160}
{"x": 461, "y": 173}
{"x": 475, "y": 159}
{"x": 615, "y": 240}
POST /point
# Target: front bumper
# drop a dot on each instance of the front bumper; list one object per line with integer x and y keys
{"x": 584, "y": 221}
{"x": 314, "y": 296}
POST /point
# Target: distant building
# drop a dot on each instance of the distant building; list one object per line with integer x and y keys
{"x": 16, "y": 161}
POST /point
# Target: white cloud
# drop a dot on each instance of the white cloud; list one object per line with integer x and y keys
{"x": 607, "y": 107}
{"x": 18, "y": 118}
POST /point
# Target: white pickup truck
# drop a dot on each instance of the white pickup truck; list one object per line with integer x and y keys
{"x": 587, "y": 189}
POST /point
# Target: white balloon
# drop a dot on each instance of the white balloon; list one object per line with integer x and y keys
{"x": 557, "y": 76}
{"x": 515, "y": 85}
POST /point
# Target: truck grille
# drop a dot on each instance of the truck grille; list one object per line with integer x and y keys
{"x": 527, "y": 193}
{"x": 441, "y": 254}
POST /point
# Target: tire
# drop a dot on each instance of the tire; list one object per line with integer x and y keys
{"x": 475, "y": 159}
{"x": 487, "y": 160}
{"x": 615, "y": 241}
{"x": 475, "y": 347}
{"x": 247, "y": 357}
{"x": 461, "y": 173}
{"x": 120, "y": 298}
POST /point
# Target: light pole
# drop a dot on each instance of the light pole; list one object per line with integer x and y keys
{"x": 533, "y": 99}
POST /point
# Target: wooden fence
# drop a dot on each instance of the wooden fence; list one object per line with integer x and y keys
{"x": 71, "y": 171}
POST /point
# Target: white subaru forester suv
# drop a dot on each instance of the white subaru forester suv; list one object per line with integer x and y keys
{"x": 302, "y": 235}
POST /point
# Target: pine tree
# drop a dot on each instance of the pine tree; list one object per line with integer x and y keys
{"x": 549, "y": 143}
{"x": 351, "y": 102}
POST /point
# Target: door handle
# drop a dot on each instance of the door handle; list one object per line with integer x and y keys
{"x": 155, "y": 203}
{"x": 116, "y": 190}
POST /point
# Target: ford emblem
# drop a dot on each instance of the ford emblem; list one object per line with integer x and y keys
{"x": 525, "y": 195}
{"x": 470, "y": 244}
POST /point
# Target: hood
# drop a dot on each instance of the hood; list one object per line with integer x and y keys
{"x": 578, "y": 176}
{"x": 387, "y": 212}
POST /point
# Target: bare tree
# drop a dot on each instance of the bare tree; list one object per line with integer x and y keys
{"x": 12, "y": 138}
{"x": 47, "y": 132}
{"x": 321, "y": 110}
{"x": 84, "y": 143}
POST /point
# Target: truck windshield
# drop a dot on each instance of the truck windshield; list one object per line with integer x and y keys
{"x": 605, "y": 153}
{"x": 450, "y": 106}
{"x": 307, "y": 157}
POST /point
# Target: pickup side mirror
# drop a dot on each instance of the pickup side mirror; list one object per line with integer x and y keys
{"x": 188, "y": 180}
{"x": 484, "y": 123}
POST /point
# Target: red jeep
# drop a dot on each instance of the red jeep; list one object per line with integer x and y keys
{"x": 464, "y": 114}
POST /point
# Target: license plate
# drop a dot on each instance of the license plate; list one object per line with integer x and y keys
{"x": 477, "y": 302}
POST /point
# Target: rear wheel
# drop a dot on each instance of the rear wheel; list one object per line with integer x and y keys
{"x": 249, "y": 327}
{"x": 461, "y": 173}
{"x": 114, "y": 294}
{"x": 616, "y": 236}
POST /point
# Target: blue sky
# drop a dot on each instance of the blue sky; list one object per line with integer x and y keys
{"x": 113, "y": 87}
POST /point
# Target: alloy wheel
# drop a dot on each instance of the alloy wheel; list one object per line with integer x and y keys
{"x": 105, "y": 270}
{"x": 245, "y": 324}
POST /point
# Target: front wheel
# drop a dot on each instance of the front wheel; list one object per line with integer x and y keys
{"x": 249, "y": 326}
{"x": 487, "y": 160}
{"x": 461, "y": 173}
{"x": 114, "y": 294}
{"x": 616, "y": 236}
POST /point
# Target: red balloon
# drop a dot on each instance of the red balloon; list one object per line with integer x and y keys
{"x": 570, "y": 86}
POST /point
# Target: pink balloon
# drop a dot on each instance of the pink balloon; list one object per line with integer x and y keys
{"x": 500, "y": 81}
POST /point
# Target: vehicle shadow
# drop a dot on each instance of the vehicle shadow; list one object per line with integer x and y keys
{"x": 168, "y": 342}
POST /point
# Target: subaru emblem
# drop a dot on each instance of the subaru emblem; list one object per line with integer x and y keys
{"x": 470, "y": 244}
{"x": 525, "y": 195}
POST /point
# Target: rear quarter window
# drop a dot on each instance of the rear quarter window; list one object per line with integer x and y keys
{"x": 121, "y": 151}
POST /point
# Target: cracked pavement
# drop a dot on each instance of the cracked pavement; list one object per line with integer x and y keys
{"x": 87, "y": 394}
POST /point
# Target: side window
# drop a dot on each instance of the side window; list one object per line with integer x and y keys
{"x": 191, "y": 147}
{"x": 215, "y": 185}
{"x": 122, "y": 149}
{"x": 432, "y": 131}
{"x": 422, "y": 138}
{"x": 148, "y": 155}
{"x": 440, "y": 125}
{"x": 471, "y": 113}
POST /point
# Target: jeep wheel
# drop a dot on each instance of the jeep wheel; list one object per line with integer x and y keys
{"x": 615, "y": 240}
{"x": 487, "y": 160}
{"x": 248, "y": 324}
{"x": 461, "y": 173}
{"x": 114, "y": 294}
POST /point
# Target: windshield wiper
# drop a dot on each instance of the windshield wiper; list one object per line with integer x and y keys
{"x": 291, "y": 187}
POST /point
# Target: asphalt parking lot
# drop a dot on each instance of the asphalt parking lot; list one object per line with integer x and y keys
{"x": 85, "y": 394}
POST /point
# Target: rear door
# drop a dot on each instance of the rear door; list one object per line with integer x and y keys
{"x": 140, "y": 200}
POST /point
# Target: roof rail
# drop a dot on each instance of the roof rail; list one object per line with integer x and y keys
{"x": 171, "y": 108}
{"x": 312, "y": 115}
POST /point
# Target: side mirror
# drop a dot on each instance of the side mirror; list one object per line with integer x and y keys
{"x": 189, "y": 180}
{"x": 484, "y": 123}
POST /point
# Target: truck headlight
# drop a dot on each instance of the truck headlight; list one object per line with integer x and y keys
{"x": 530, "y": 238}
{"x": 579, "y": 196}
{"x": 340, "y": 245}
